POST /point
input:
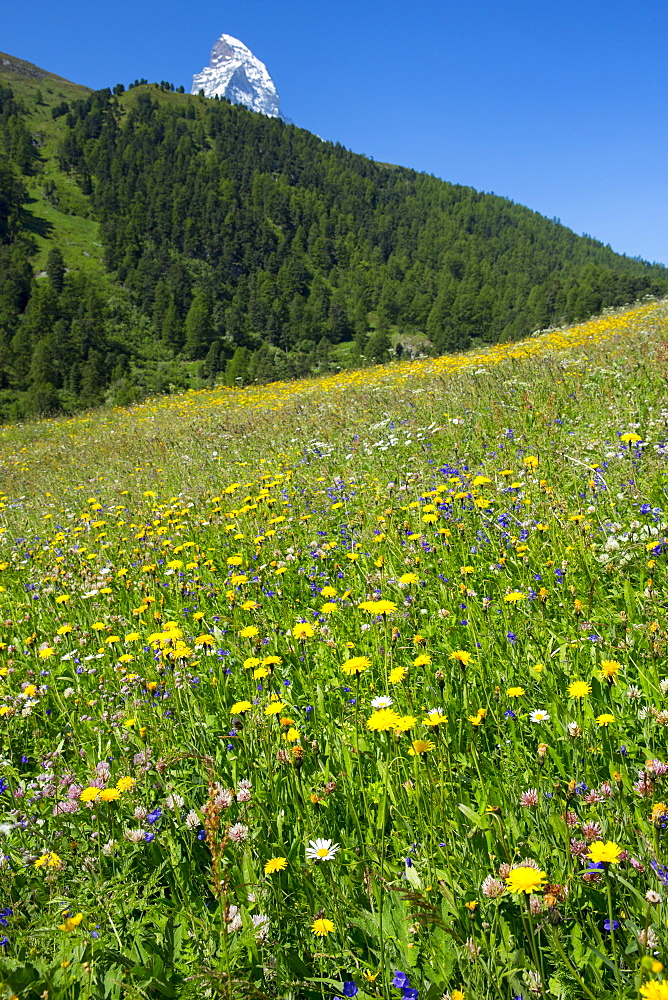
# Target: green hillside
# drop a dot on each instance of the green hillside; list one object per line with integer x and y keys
{"x": 152, "y": 240}
{"x": 63, "y": 215}
{"x": 353, "y": 686}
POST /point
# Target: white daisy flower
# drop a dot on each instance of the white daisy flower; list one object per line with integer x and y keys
{"x": 539, "y": 716}
{"x": 321, "y": 850}
{"x": 382, "y": 701}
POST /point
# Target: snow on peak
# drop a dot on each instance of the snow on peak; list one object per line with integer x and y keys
{"x": 235, "y": 73}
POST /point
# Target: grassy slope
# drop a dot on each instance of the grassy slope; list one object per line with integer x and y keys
{"x": 73, "y": 230}
{"x": 35, "y": 451}
{"x": 105, "y": 510}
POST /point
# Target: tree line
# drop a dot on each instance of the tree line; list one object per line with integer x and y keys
{"x": 241, "y": 248}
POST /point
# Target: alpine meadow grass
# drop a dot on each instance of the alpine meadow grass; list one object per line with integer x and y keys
{"x": 349, "y": 686}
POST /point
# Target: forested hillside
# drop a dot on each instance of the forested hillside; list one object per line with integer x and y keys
{"x": 152, "y": 239}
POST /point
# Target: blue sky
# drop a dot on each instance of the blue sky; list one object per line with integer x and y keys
{"x": 561, "y": 106}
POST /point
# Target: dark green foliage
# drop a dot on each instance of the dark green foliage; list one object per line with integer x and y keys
{"x": 236, "y": 372}
{"x": 55, "y": 269}
{"x": 378, "y": 346}
{"x": 60, "y": 109}
{"x": 12, "y": 195}
{"x": 252, "y": 247}
{"x": 199, "y": 330}
{"x": 15, "y": 136}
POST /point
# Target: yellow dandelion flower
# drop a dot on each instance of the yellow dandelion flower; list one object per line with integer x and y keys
{"x": 525, "y": 879}
{"x": 659, "y": 813}
{"x": 607, "y": 852}
{"x": 655, "y": 989}
{"x": 89, "y": 794}
{"x": 109, "y": 795}
{"x": 48, "y": 860}
{"x": 303, "y": 630}
{"x": 434, "y": 718}
{"x": 378, "y": 607}
{"x": 249, "y": 632}
{"x": 322, "y": 927}
{"x": 383, "y": 720}
{"x": 514, "y": 597}
{"x": 355, "y": 665}
{"x": 71, "y": 923}
{"x": 420, "y": 747}
{"x": 579, "y": 689}
{"x": 609, "y": 670}
{"x": 275, "y": 865}
{"x": 461, "y": 656}
{"x": 422, "y": 661}
{"x": 271, "y": 661}
{"x": 404, "y": 723}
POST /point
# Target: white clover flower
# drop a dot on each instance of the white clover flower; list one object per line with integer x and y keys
{"x": 192, "y": 820}
{"x": 134, "y": 836}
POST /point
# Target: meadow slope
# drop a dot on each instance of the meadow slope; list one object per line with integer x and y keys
{"x": 348, "y": 686}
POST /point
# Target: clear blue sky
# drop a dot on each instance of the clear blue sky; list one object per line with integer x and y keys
{"x": 559, "y": 105}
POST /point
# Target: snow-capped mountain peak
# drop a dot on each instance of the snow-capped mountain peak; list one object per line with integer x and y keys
{"x": 235, "y": 73}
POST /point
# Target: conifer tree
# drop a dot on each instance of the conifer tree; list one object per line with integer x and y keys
{"x": 199, "y": 328}
{"x": 55, "y": 269}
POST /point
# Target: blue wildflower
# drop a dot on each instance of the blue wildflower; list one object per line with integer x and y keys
{"x": 661, "y": 872}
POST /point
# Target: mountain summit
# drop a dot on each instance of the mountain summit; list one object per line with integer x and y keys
{"x": 235, "y": 73}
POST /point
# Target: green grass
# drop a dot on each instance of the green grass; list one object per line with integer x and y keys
{"x": 69, "y": 224}
{"x": 184, "y": 586}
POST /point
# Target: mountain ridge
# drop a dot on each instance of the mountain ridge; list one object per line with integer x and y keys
{"x": 11, "y": 65}
{"x": 235, "y": 73}
{"x": 153, "y": 239}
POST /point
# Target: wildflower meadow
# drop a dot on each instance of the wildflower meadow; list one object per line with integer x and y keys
{"x": 355, "y": 686}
